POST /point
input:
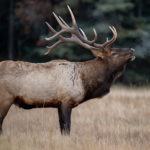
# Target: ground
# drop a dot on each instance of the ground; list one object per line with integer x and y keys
{"x": 119, "y": 121}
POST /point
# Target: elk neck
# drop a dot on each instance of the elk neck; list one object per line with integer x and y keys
{"x": 97, "y": 77}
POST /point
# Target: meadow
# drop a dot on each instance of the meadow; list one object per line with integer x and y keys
{"x": 118, "y": 121}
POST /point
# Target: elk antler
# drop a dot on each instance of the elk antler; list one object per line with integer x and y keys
{"x": 77, "y": 35}
{"x": 108, "y": 42}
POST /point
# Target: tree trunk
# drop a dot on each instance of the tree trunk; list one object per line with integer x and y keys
{"x": 11, "y": 31}
{"x": 139, "y": 8}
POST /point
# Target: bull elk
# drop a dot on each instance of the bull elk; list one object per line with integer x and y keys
{"x": 62, "y": 84}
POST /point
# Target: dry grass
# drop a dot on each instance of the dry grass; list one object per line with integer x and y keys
{"x": 119, "y": 121}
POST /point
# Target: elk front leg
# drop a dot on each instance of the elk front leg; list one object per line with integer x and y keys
{"x": 64, "y": 113}
{"x": 5, "y": 103}
{"x": 1, "y": 121}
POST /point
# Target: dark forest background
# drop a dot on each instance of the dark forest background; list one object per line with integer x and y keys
{"x": 23, "y": 29}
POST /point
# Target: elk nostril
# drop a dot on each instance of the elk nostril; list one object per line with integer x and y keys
{"x": 132, "y": 49}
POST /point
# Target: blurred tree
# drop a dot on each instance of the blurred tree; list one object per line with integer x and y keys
{"x": 4, "y": 28}
{"x": 29, "y": 24}
{"x": 11, "y": 31}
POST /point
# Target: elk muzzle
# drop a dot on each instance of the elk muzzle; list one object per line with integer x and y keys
{"x": 132, "y": 57}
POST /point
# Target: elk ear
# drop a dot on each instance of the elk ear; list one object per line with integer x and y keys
{"x": 98, "y": 54}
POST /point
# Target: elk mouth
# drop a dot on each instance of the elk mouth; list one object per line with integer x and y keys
{"x": 132, "y": 58}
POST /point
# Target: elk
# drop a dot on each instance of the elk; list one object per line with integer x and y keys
{"x": 63, "y": 84}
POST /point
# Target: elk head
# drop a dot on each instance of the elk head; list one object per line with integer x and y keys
{"x": 114, "y": 56}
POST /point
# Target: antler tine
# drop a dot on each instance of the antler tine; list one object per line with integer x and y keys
{"x": 55, "y": 35}
{"x": 109, "y": 42}
{"x": 107, "y": 39}
{"x": 50, "y": 48}
{"x": 84, "y": 35}
{"x": 72, "y": 17}
{"x": 95, "y": 37}
{"x": 63, "y": 22}
{"x": 59, "y": 21}
{"x": 113, "y": 29}
{"x": 50, "y": 27}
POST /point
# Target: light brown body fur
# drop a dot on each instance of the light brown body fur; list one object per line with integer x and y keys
{"x": 48, "y": 84}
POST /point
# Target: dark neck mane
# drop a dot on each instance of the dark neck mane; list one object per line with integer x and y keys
{"x": 98, "y": 77}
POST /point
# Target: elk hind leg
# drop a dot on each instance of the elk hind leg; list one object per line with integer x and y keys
{"x": 64, "y": 113}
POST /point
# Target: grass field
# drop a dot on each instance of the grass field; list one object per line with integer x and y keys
{"x": 119, "y": 121}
